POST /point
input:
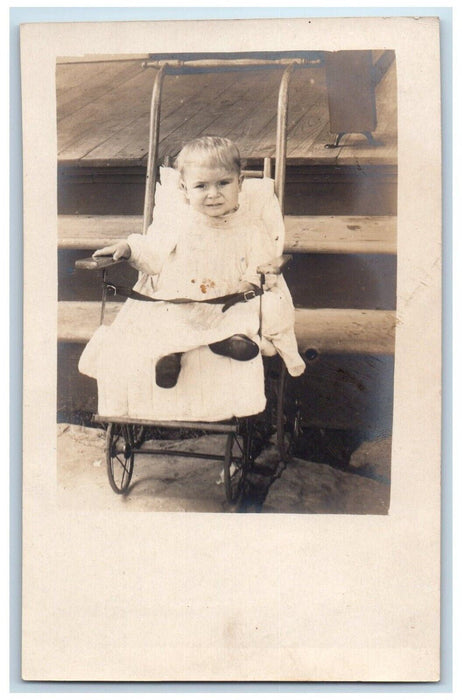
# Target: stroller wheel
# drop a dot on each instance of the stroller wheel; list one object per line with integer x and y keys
{"x": 240, "y": 452}
{"x": 233, "y": 469}
{"x": 288, "y": 419}
{"x": 119, "y": 456}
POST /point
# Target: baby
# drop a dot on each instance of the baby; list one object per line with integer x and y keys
{"x": 210, "y": 233}
{"x": 211, "y": 181}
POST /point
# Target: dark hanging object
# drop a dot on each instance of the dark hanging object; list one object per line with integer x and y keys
{"x": 351, "y": 94}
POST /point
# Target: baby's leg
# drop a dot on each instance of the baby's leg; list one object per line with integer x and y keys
{"x": 237, "y": 347}
{"x": 168, "y": 370}
{"x": 278, "y": 319}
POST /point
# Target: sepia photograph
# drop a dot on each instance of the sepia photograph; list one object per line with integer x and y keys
{"x": 232, "y": 350}
{"x": 291, "y": 412}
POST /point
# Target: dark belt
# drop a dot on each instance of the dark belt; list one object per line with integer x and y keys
{"x": 227, "y": 300}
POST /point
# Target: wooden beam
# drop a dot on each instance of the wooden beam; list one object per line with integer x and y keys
{"x": 351, "y": 331}
{"x": 78, "y": 320}
{"x": 340, "y": 234}
{"x": 92, "y": 232}
{"x": 330, "y": 331}
{"x": 304, "y": 234}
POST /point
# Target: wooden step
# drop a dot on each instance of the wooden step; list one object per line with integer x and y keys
{"x": 351, "y": 331}
{"x": 341, "y": 234}
{"x": 304, "y": 234}
{"x": 92, "y": 232}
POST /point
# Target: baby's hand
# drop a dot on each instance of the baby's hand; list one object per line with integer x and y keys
{"x": 245, "y": 286}
{"x": 116, "y": 250}
{"x": 271, "y": 281}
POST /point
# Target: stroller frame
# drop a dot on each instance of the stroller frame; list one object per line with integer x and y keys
{"x": 244, "y": 436}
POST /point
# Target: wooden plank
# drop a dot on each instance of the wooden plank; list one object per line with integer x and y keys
{"x": 92, "y": 232}
{"x": 78, "y": 320}
{"x": 304, "y": 234}
{"x": 350, "y": 331}
{"x": 178, "y": 125}
{"x": 248, "y": 116}
{"x": 90, "y": 130}
{"x": 78, "y": 86}
{"x": 131, "y": 141}
{"x": 87, "y": 128}
{"x": 341, "y": 234}
{"x": 259, "y": 120}
{"x": 199, "y": 117}
{"x": 355, "y": 331}
{"x": 68, "y": 77}
{"x": 315, "y": 149}
{"x": 107, "y": 99}
{"x": 305, "y": 93}
{"x": 237, "y": 116}
{"x": 109, "y": 126}
{"x": 304, "y": 132}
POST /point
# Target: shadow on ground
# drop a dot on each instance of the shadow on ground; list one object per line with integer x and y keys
{"x": 178, "y": 484}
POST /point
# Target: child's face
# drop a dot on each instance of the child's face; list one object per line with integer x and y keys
{"x": 213, "y": 191}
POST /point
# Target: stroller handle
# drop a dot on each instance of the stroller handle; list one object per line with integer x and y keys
{"x": 225, "y": 63}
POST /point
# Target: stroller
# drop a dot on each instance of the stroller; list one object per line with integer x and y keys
{"x": 245, "y": 436}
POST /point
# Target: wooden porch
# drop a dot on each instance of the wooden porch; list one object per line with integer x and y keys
{"x": 103, "y": 113}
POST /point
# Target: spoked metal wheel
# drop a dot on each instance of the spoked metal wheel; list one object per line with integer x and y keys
{"x": 288, "y": 418}
{"x": 119, "y": 456}
{"x": 238, "y": 460}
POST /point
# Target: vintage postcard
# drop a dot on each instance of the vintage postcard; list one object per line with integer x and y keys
{"x": 232, "y": 362}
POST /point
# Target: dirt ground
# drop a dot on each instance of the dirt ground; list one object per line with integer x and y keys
{"x": 182, "y": 484}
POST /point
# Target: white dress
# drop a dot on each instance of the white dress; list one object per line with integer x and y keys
{"x": 189, "y": 255}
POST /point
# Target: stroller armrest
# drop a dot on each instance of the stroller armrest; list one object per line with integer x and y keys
{"x": 98, "y": 263}
{"x": 274, "y": 267}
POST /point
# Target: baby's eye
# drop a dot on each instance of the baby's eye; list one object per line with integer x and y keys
{"x": 222, "y": 183}
{"x": 199, "y": 186}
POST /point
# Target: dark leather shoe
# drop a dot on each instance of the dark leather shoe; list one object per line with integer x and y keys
{"x": 238, "y": 347}
{"x": 168, "y": 370}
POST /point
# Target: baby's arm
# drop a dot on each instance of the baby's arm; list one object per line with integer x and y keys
{"x": 260, "y": 251}
{"x": 150, "y": 252}
{"x": 145, "y": 253}
{"x": 138, "y": 251}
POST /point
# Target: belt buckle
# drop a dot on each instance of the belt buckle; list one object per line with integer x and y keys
{"x": 112, "y": 288}
{"x": 250, "y": 292}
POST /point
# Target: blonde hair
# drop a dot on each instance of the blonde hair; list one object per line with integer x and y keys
{"x": 216, "y": 151}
